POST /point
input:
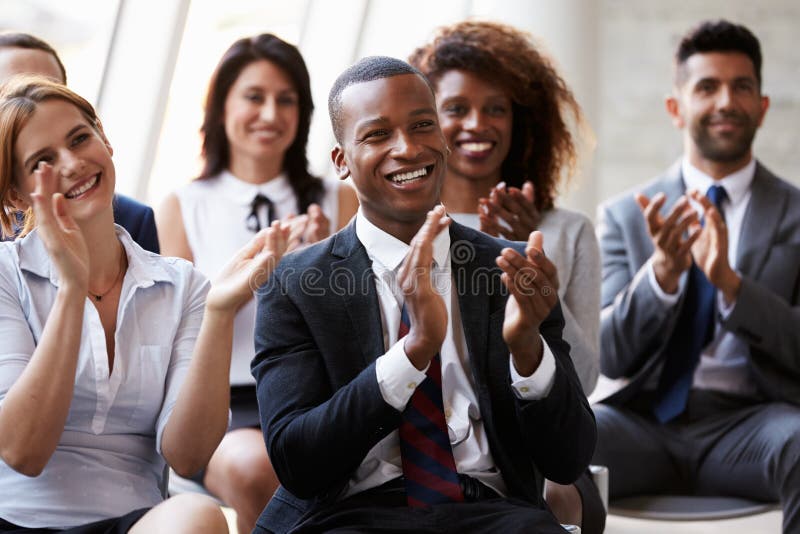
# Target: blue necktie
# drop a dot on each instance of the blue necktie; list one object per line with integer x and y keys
{"x": 429, "y": 469}
{"x": 694, "y": 329}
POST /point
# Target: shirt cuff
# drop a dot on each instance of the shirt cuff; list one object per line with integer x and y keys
{"x": 397, "y": 376}
{"x": 666, "y": 298}
{"x": 538, "y": 385}
{"x": 723, "y": 308}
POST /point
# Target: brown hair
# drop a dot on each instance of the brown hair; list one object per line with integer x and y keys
{"x": 19, "y": 98}
{"x": 542, "y": 145}
{"x": 30, "y": 42}
{"x": 216, "y": 152}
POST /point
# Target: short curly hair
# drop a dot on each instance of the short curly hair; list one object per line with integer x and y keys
{"x": 542, "y": 145}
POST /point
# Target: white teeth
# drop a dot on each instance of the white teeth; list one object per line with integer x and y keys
{"x": 476, "y": 147}
{"x": 408, "y": 176}
{"x": 72, "y": 193}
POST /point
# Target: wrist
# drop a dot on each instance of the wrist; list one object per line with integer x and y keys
{"x": 419, "y": 352}
{"x": 668, "y": 279}
{"x": 73, "y": 290}
{"x": 527, "y": 357}
{"x": 730, "y": 285}
{"x": 219, "y": 314}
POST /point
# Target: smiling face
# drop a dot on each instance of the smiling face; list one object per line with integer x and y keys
{"x": 719, "y": 106}
{"x": 59, "y": 134}
{"x": 476, "y": 119}
{"x": 393, "y": 148}
{"x": 261, "y": 114}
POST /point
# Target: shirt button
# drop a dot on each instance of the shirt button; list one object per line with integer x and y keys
{"x": 412, "y": 385}
{"x": 524, "y": 389}
{"x": 448, "y": 412}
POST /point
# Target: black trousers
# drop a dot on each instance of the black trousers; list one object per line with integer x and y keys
{"x": 114, "y": 525}
{"x": 384, "y": 510}
{"x": 721, "y": 445}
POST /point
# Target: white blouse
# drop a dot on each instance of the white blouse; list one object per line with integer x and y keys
{"x": 108, "y": 461}
{"x": 214, "y": 213}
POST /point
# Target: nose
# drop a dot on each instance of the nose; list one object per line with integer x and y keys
{"x": 473, "y": 120}
{"x": 725, "y": 97}
{"x": 268, "y": 109}
{"x": 406, "y": 147}
{"x": 70, "y": 165}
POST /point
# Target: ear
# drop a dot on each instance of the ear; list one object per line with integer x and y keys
{"x": 99, "y": 126}
{"x": 673, "y": 106}
{"x": 764, "y": 108}
{"x": 337, "y": 156}
{"x": 17, "y": 200}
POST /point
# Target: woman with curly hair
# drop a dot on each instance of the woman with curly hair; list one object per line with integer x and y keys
{"x": 505, "y": 113}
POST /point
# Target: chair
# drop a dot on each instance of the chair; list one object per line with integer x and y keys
{"x": 687, "y": 507}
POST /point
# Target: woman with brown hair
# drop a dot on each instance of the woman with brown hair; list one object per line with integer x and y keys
{"x": 505, "y": 113}
{"x": 114, "y": 360}
{"x": 255, "y": 130}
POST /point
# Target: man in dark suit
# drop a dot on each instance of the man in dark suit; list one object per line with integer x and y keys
{"x": 400, "y": 387}
{"x": 21, "y": 53}
{"x": 701, "y": 299}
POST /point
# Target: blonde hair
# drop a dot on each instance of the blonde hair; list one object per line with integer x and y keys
{"x": 19, "y": 98}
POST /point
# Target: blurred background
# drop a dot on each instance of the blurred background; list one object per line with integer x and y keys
{"x": 145, "y": 65}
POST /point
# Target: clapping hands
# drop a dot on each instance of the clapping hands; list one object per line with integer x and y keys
{"x": 249, "y": 268}
{"x": 532, "y": 281}
{"x": 61, "y": 235}
{"x": 516, "y": 207}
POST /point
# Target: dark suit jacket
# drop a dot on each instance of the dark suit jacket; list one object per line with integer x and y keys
{"x": 132, "y": 215}
{"x": 635, "y": 326}
{"x": 138, "y": 220}
{"x": 318, "y": 333}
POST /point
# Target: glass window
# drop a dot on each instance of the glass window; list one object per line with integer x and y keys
{"x": 79, "y": 30}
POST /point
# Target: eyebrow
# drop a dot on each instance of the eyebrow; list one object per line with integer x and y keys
{"x": 381, "y": 119}
{"x": 41, "y": 151}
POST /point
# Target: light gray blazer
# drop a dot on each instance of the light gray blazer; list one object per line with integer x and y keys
{"x": 635, "y": 326}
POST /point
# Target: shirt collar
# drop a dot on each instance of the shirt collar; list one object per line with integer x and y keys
{"x": 736, "y": 184}
{"x": 278, "y": 189}
{"x": 389, "y": 251}
{"x": 145, "y": 267}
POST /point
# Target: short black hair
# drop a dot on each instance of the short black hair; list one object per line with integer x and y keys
{"x": 718, "y": 36}
{"x": 28, "y": 41}
{"x": 365, "y": 70}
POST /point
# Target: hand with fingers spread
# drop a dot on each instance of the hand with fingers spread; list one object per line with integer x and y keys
{"x": 672, "y": 237}
{"x": 60, "y": 233}
{"x": 318, "y": 226}
{"x": 514, "y": 206}
{"x": 532, "y": 282}
{"x": 426, "y": 309}
{"x": 710, "y": 250}
{"x": 248, "y": 269}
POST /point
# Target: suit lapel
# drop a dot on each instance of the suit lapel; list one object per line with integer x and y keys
{"x": 353, "y": 270}
{"x": 472, "y": 282}
{"x": 760, "y": 223}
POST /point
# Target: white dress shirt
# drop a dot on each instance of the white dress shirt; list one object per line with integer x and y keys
{"x": 107, "y": 461}
{"x": 398, "y": 378}
{"x": 723, "y": 362}
{"x": 214, "y": 211}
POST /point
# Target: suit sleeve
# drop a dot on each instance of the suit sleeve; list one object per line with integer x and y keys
{"x": 559, "y": 430}
{"x": 148, "y": 235}
{"x": 634, "y": 322}
{"x": 581, "y": 308}
{"x": 779, "y": 337}
{"x": 316, "y": 438}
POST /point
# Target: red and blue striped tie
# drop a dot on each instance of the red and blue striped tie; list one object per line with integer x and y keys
{"x": 428, "y": 465}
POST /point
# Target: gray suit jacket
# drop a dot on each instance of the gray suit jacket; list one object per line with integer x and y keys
{"x": 635, "y": 326}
